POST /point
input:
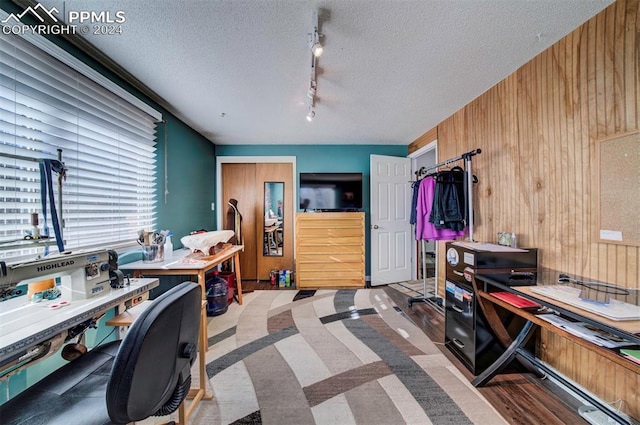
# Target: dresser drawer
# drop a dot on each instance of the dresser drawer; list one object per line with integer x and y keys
{"x": 330, "y": 249}
{"x": 330, "y": 258}
{"x": 335, "y": 241}
{"x": 330, "y": 221}
{"x": 332, "y": 233}
{"x": 346, "y": 273}
{"x": 460, "y": 303}
{"x": 461, "y": 338}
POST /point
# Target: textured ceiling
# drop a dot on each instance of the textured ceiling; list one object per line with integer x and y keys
{"x": 238, "y": 71}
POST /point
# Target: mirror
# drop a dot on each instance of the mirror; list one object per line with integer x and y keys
{"x": 273, "y": 219}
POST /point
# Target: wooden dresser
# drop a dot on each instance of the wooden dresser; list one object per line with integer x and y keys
{"x": 330, "y": 251}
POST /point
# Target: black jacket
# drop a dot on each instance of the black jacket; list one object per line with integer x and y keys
{"x": 448, "y": 210}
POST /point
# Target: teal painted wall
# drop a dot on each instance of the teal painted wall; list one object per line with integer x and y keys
{"x": 314, "y": 158}
{"x": 191, "y": 181}
{"x": 326, "y": 158}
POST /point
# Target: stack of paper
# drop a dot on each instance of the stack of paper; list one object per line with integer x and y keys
{"x": 587, "y": 332}
{"x": 633, "y": 355}
{"x": 615, "y": 310}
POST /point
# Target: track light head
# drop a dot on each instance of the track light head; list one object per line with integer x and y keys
{"x": 317, "y": 49}
{"x": 311, "y": 93}
{"x": 311, "y": 114}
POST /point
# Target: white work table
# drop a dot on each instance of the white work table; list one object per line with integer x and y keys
{"x": 24, "y": 324}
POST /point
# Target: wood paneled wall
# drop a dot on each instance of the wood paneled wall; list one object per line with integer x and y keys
{"x": 538, "y": 130}
{"x": 424, "y": 140}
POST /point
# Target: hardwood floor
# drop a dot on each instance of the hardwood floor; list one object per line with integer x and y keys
{"x": 521, "y": 398}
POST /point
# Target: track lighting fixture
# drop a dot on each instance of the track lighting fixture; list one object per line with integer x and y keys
{"x": 316, "y": 51}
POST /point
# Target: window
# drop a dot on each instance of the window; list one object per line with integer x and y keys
{"x": 107, "y": 143}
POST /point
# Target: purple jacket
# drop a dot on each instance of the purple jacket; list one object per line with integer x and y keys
{"x": 424, "y": 229}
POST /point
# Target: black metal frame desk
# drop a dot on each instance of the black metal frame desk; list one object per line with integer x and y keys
{"x": 24, "y": 325}
{"x": 484, "y": 284}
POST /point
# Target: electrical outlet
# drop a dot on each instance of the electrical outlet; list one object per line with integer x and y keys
{"x": 213, "y": 206}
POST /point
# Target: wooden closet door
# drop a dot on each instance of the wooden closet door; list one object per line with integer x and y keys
{"x": 275, "y": 172}
{"x": 239, "y": 182}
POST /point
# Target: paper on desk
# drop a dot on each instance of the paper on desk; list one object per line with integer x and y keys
{"x": 615, "y": 310}
{"x": 187, "y": 260}
{"x": 587, "y": 332}
{"x": 491, "y": 247}
{"x": 633, "y": 355}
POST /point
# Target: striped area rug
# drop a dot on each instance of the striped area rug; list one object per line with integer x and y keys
{"x": 330, "y": 357}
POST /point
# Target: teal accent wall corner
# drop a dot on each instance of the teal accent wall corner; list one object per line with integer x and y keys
{"x": 190, "y": 180}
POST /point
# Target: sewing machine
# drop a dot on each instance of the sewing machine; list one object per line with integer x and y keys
{"x": 89, "y": 285}
{"x": 79, "y": 275}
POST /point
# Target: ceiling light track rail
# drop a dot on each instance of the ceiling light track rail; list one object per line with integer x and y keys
{"x": 316, "y": 49}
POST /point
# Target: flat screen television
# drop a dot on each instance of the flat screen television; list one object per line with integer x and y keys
{"x": 330, "y": 191}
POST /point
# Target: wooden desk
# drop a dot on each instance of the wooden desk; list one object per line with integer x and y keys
{"x": 126, "y": 318}
{"x": 181, "y": 265}
{"x": 485, "y": 284}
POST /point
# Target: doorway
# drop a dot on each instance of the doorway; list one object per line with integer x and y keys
{"x": 390, "y": 228}
{"x": 425, "y": 253}
{"x": 264, "y": 188}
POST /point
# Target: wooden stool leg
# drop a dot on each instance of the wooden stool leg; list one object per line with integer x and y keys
{"x": 236, "y": 264}
{"x": 182, "y": 415}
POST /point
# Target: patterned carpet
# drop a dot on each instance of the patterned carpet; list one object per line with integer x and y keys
{"x": 330, "y": 357}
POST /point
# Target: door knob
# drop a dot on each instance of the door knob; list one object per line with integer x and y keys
{"x": 375, "y": 226}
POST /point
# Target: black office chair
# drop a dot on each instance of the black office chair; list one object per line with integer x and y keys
{"x": 146, "y": 374}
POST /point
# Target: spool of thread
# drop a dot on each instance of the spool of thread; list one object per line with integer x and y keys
{"x": 34, "y": 224}
{"x": 39, "y": 286}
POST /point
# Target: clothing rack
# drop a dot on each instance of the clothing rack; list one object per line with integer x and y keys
{"x": 40, "y": 161}
{"x": 469, "y": 201}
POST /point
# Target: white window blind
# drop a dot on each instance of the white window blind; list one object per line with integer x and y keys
{"x": 108, "y": 147}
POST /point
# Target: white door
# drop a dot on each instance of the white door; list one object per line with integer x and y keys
{"x": 390, "y": 231}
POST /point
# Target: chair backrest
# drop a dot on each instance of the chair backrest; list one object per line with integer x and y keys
{"x": 151, "y": 373}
